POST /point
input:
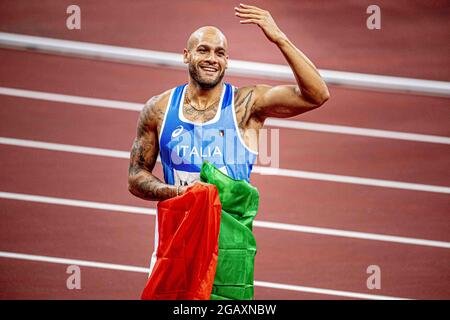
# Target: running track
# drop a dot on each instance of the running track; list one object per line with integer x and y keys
{"x": 291, "y": 257}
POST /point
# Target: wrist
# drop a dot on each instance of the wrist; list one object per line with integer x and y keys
{"x": 176, "y": 191}
{"x": 281, "y": 40}
{"x": 180, "y": 190}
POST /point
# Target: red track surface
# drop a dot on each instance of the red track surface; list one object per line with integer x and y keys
{"x": 283, "y": 256}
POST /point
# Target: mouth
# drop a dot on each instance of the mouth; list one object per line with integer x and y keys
{"x": 209, "y": 69}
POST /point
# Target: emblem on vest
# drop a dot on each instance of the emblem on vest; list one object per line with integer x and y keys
{"x": 177, "y": 131}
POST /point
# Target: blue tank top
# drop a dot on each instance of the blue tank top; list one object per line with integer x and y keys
{"x": 184, "y": 145}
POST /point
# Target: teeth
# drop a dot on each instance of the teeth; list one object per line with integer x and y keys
{"x": 209, "y": 69}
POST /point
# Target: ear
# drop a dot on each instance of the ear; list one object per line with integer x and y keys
{"x": 226, "y": 63}
{"x": 186, "y": 56}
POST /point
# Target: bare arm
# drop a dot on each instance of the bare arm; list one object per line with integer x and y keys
{"x": 141, "y": 182}
{"x": 285, "y": 100}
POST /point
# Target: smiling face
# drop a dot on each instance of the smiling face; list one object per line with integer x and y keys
{"x": 206, "y": 56}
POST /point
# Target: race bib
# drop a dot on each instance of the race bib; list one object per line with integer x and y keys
{"x": 184, "y": 178}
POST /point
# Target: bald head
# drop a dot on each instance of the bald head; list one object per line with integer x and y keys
{"x": 209, "y": 34}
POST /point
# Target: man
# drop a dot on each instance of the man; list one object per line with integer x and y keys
{"x": 197, "y": 121}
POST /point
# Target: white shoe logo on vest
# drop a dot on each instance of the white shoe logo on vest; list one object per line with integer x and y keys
{"x": 177, "y": 131}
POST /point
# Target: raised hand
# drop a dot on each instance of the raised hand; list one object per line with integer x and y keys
{"x": 262, "y": 18}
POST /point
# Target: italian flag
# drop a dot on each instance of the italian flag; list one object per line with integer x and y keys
{"x": 206, "y": 247}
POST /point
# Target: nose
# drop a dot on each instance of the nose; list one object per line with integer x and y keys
{"x": 211, "y": 57}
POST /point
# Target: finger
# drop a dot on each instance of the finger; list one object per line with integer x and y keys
{"x": 243, "y": 10}
{"x": 248, "y": 16}
{"x": 246, "y": 6}
{"x": 249, "y": 21}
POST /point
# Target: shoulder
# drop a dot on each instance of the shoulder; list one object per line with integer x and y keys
{"x": 154, "y": 109}
{"x": 244, "y": 101}
{"x": 157, "y": 102}
{"x": 250, "y": 93}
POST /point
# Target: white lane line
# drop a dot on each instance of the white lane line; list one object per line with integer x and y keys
{"x": 350, "y": 179}
{"x": 257, "y": 223}
{"x": 366, "y": 132}
{"x": 272, "y": 122}
{"x": 330, "y": 292}
{"x": 65, "y": 148}
{"x": 77, "y": 203}
{"x": 236, "y": 67}
{"x": 84, "y": 263}
{"x": 121, "y": 267}
{"x": 351, "y": 234}
{"x": 256, "y": 169}
{"x": 56, "y": 97}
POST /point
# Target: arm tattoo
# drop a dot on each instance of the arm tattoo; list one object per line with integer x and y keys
{"x": 243, "y": 105}
{"x": 141, "y": 182}
{"x": 149, "y": 187}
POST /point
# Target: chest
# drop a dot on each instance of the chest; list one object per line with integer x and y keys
{"x": 196, "y": 115}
